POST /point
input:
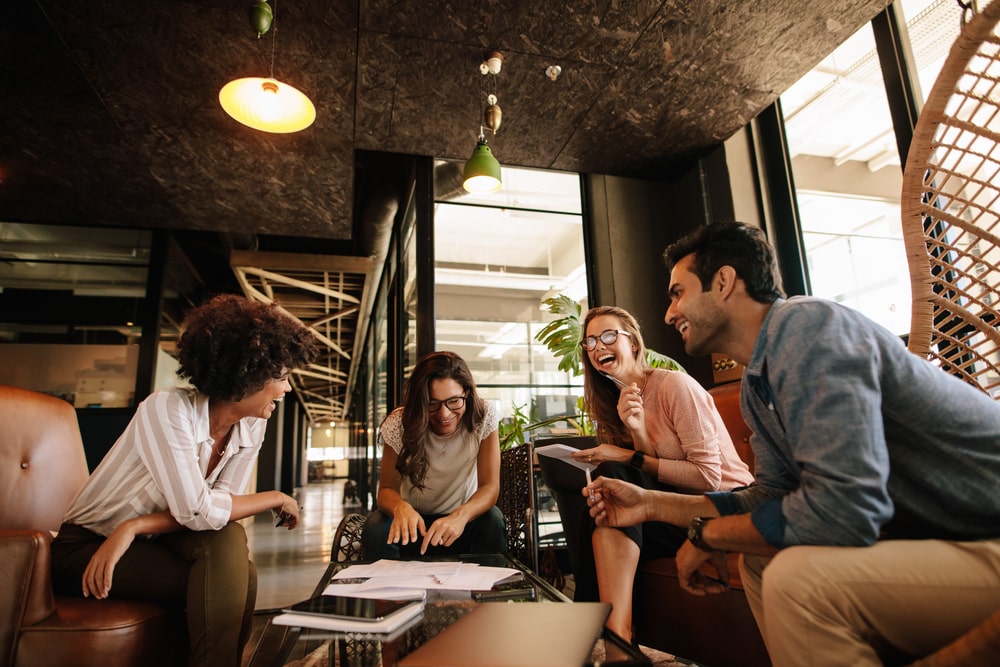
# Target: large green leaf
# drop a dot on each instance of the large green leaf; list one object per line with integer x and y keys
{"x": 563, "y": 336}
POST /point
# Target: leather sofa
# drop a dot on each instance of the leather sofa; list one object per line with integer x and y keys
{"x": 716, "y": 630}
{"x": 42, "y": 466}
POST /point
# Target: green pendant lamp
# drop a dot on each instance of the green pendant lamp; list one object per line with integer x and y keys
{"x": 482, "y": 170}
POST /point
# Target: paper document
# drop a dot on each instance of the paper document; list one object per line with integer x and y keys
{"x": 403, "y": 579}
{"x": 563, "y": 453}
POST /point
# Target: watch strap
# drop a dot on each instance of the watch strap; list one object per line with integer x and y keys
{"x": 695, "y": 530}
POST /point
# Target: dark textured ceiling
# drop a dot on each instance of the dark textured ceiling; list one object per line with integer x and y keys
{"x": 109, "y": 111}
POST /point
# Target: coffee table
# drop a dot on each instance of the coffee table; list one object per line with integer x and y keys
{"x": 279, "y": 643}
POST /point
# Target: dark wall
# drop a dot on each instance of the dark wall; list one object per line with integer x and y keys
{"x": 100, "y": 428}
{"x": 631, "y": 223}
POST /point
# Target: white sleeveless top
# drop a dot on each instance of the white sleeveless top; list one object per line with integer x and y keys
{"x": 451, "y": 473}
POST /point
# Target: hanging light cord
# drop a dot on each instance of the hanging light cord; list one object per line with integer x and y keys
{"x": 274, "y": 34}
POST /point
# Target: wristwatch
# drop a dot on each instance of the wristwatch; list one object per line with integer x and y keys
{"x": 637, "y": 459}
{"x": 694, "y": 532}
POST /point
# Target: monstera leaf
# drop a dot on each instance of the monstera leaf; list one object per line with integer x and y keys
{"x": 563, "y": 336}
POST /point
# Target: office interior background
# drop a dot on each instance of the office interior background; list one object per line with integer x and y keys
{"x": 91, "y": 299}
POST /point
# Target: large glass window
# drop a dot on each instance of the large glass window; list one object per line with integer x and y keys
{"x": 847, "y": 169}
{"x": 497, "y": 257}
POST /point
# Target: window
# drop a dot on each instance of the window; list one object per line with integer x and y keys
{"x": 497, "y": 257}
{"x": 847, "y": 169}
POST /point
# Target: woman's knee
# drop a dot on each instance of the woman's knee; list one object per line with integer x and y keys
{"x": 490, "y": 532}
{"x": 375, "y": 537}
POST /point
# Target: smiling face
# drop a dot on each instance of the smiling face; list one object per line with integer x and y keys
{"x": 444, "y": 420}
{"x": 695, "y": 313}
{"x": 262, "y": 402}
{"x": 617, "y": 358}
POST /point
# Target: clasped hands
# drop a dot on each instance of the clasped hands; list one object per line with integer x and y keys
{"x": 407, "y": 527}
{"x": 617, "y": 503}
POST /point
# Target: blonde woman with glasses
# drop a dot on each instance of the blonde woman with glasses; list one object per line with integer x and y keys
{"x": 656, "y": 428}
{"x": 440, "y": 475}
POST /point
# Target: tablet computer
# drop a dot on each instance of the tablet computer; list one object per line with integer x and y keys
{"x": 355, "y": 609}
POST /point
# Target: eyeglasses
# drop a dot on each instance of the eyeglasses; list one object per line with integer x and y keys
{"x": 608, "y": 337}
{"x": 454, "y": 403}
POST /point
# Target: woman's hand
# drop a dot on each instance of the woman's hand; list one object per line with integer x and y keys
{"x": 407, "y": 524}
{"x": 601, "y": 453}
{"x": 615, "y": 502}
{"x": 443, "y": 532}
{"x": 630, "y": 409}
{"x": 287, "y": 512}
{"x": 101, "y": 568}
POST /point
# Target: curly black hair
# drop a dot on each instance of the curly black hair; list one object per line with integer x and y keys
{"x": 232, "y": 346}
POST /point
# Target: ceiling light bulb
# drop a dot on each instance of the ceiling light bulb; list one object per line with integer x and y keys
{"x": 482, "y": 170}
{"x": 268, "y": 105}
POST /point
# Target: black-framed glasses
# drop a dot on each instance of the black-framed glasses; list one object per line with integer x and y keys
{"x": 608, "y": 337}
{"x": 454, "y": 403}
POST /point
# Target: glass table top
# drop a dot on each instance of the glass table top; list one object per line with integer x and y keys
{"x": 282, "y": 645}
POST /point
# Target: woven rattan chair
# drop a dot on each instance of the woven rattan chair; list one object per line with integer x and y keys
{"x": 951, "y": 210}
{"x": 951, "y": 227}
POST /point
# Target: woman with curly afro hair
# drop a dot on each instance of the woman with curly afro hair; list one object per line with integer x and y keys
{"x": 440, "y": 475}
{"x": 157, "y": 520}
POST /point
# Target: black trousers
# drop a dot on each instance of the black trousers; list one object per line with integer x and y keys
{"x": 655, "y": 539}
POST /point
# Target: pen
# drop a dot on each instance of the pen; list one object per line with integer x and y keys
{"x": 617, "y": 381}
{"x": 589, "y": 482}
{"x": 724, "y": 584}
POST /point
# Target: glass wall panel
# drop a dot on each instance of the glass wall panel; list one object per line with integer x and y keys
{"x": 497, "y": 257}
{"x": 70, "y": 305}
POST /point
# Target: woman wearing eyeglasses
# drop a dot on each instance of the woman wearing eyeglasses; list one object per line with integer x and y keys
{"x": 657, "y": 428}
{"x": 440, "y": 475}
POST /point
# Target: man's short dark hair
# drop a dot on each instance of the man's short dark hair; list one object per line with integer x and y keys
{"x": 734, "y": 244}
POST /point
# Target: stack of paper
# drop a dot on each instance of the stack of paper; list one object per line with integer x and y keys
{"x": 396, "y": 580}
{"x": 403, "y": 580}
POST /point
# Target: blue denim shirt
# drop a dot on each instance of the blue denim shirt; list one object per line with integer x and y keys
{"x": 856, "y": 438}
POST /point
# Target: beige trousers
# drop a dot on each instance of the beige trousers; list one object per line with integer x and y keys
{"x": 822, "y": 605}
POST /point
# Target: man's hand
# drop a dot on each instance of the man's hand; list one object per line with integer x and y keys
{"x": 407, "y": 525}
{"x": 615, "y": 502}
{"x": 443, "y": 532}
{"x": 101, "y": 568}
{"x": 689, "y": 559}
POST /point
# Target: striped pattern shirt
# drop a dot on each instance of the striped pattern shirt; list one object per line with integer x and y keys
{"x": 160, "y": 462}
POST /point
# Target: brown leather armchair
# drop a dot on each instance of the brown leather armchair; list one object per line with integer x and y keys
{"x": 42, "y": 466}
{"x": 717, "y": 630}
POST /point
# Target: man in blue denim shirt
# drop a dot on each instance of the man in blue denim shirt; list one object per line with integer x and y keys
{"x": 875, "y": 509}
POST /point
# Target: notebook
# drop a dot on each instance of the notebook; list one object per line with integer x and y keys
{"x": 515, "y": 634}
{"x": 391, "y": 623}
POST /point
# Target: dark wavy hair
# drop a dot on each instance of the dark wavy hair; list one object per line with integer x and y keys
{"x": 232, "y": 346}
{"x": 412, "y": 462}
{"x": 601, "y": 394}
{"x": 734, "y": 244}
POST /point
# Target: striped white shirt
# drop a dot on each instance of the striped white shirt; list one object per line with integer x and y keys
{"x": 161, "y": 462}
